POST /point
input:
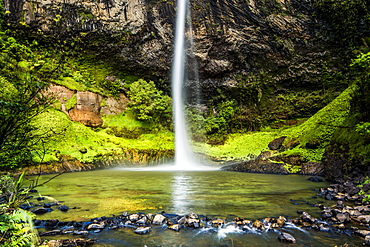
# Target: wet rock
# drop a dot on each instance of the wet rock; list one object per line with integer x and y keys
{"x": 258, "y": 166}
{"x": 277, "y": 143}
{"x": 362, "y": 233}
{"x": 315, "y": 179}
{"x": 324, "y": 228}
{"x": 142, "y": 230}
{"x": 71, "y": 242}
{"x": 133, "y": 217}
{"x": 41, "y": 210}
{"x": 158, "y": 219}
{"x": 281, "y": 221}
{"x": 286, "y": 237}
{"x": 95, "y": 226}
{"x": 63, "y": 208}
{"x": 312, "y": 168}
{"x": 367, "y": 240}
{"x": 190, "y": 222}
{"x": 193, "y": 216}
{"x": 25, "y": 206}
{"x": 326, "y": 213}
{"x": 51, "y": 223}
{"x": 142, "y": 221}
{"x": 258, "y": 224}
{"x": 80, "y": 232}
{"x": 218, "y": 222}
{"x": 51, "y": 233}
{"x": 307, "y": 218}
{"x": 364, "y": 219}
{"x": 175, "y": 227}
{"x": 182, "y": 220}
{"x": 343, "y": 217}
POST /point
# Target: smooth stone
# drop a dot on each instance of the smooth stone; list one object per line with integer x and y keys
{"x": 142, "y": 230}
{"x": 175, "y": 227}
{"x": 63, "y": 208}
{"x": 158, "y": 219}
{"x": 286, "y": 237}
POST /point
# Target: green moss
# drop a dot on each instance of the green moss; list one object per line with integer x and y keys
{"x": 71, "y": 102}
{"x": 239, "y": 146}
{"x": 72, "y": 137}
{"x": 314, "y": 135}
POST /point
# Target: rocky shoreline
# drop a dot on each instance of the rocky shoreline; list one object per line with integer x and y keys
{"x": 349, "y": 214}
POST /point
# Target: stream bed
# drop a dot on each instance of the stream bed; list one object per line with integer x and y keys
{"x": 216, "y": 194}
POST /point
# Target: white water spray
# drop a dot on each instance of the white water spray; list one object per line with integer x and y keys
{"x": 184, "y": 158}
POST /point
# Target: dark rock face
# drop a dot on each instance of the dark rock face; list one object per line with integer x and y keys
{"x": 312, "y": 168}
{"x": 257, "y": 166}
{"x": 231, "y": 37}
{"x": 277, "y": 143}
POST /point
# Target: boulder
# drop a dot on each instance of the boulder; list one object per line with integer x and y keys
{"x": 175, "y": 227}
{"x": 258, "y": 166}
{"x": 158, "y": 219}
{"x": 312, "y": 168}
{"x": 63, "y": 208}
{"x": 71, "y": 242}
{"x": 277, "y": 143}
{"x": 133, "y": 217}
{"x": 42, "y": 210}
{"x": 364, "y": 219}
{"x": 51, "y": 222}
{"x": 286, "y": 237}
{"x": 95, "y": 226}
{"x": 367, "y": 240}
{"x": 142, "y": 230}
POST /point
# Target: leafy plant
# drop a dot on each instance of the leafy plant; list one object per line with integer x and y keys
{"x": 149, "y": 104}
{"x": 16, "y": 226}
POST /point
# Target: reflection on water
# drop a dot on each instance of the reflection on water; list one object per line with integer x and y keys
{"x": 213, "y": 193}
{"x": 181, "y": 193}
{"x": 217, "y": 194}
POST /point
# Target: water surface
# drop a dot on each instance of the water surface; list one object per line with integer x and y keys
{"x": 217, "y": 194}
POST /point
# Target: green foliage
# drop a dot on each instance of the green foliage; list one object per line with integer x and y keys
{"x": 363, "y": 129}
{"x": 20, "y": 103}
{"x": 125, "y": 125}
{"x": 97, "y": 143}
{"x": 16, "y": 226}
{"x": 314, "y": 135}
{"x": 239, "y": 146}
{"x": 71, "y": 102}
{"x": 292, "y": 169}
{"x": 149, "y": 104}
{"x": 350, "y": 19}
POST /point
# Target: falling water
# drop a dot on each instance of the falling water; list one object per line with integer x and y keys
{"x": 184, "y": 158}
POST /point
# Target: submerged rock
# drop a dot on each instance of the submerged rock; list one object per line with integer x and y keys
{"x": 142, "y": 230}
{"x": 286, "y": 237}
{"x": 71, "y": 242}
{"x": 315, "y": 179}
{"x": 158, "y": 219}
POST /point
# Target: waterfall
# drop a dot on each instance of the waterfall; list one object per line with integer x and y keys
{"x": 184, "y": 158}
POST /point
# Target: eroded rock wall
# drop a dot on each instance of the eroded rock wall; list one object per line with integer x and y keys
{"x": 231, "y": 38}
{"x": 87, "y": 107}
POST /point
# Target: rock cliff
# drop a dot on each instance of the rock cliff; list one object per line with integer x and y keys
{"x": 87, "y": 107}
{"x": 233, "y": 39}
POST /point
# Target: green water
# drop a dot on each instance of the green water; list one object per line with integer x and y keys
{"x": 212, "y": 193}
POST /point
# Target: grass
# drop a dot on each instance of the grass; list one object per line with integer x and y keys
{"x": 86, "y": 144}
{"x": 319, "y": 129}
{"x": 239, "y": 146}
